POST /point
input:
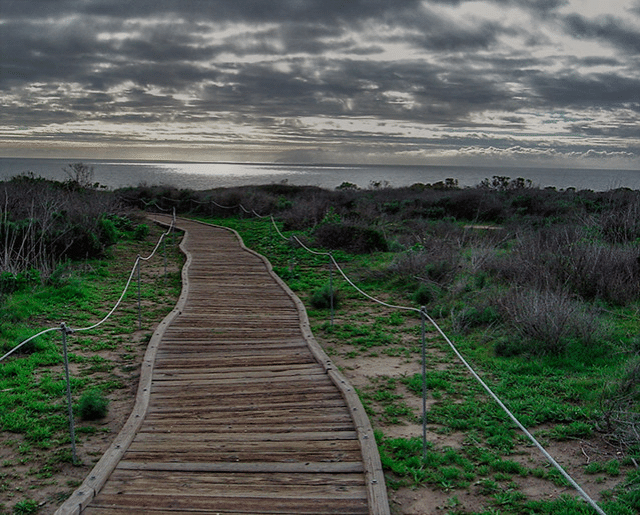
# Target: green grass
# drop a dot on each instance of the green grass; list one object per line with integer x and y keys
{"x": 34, "y": 427}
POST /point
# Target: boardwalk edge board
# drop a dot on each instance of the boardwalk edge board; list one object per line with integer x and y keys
{"x": 374, "y": 476}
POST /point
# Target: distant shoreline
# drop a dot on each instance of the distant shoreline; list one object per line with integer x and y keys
{"x": 118, "y": 173}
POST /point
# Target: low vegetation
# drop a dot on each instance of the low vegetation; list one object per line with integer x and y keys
{"x": 538, "y": 288}
{"x": 36, "y": 467}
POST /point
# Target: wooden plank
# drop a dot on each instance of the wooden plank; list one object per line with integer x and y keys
{"x": 246, "y": 447}
{"x": 265, "y": 479}
{"x": 178, "y": 438}
{"x": 145, "y": 503}
{"x": 196, "y": 484}
{"x": 190, "y": 426}
{"x": 195, "y": 411}
{"x": 308, "y": 467}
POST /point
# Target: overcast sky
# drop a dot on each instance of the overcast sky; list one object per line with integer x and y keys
{"x": 531, "y": 82}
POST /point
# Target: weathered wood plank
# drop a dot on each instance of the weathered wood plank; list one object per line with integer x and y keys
{"x": 178, "y": 438}
{"x": 222, "y": 504}
{"x": 253, "y": 468}
{"x": 260, "y": 480}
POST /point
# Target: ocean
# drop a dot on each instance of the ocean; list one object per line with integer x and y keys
{"x": 201, "y": 176}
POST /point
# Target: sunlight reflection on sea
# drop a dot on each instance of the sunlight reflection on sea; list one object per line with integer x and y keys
{"x": 200, "y": 176}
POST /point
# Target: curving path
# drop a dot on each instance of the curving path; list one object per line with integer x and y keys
{"x": 238, "y": 409}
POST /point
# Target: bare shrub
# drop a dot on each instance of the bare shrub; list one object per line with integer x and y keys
{"x": 43, "y": 222}
{"x": 622, "y": 225}
{"x": 569, "y": 258}
{"x": 305, "y": 213}
{"x": 433, "y": 260}
{"x": 548, "y": 319}
{"x": 80, "y": 175}
{"x": 620, "y": 405}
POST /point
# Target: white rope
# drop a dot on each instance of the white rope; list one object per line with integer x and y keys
{"x": 277, "y": 229}
{"x": 135, "y": 265}
{"x": 153, "y": 202}
{"x": 469, "y": 367}
{"x": 28, "y": 340}
{"x": 117, "y": 303}
{"x": 138, "y": 259}
{"x": 221, "y": 206}
{"x": 162, "y": 236}
{"x": 514, "y": 419}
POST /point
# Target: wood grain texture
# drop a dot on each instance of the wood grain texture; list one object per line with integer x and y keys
{"x": 239, "y": 410}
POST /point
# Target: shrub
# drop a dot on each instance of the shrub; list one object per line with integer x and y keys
{"x": 10, "y": 282}
{"x": 351, "y": 238}
{"x": 570, "y": 258}
{"x": 548, "y": 319}
{"x": 141, "y": 232}
{"x": 321, "y": 298}
{"x": 108, "y": 231}
{"x": 432, "y": 259}
{"x": 426, "y": 293}
{"x": 93, "y": 405}
{"x": 472, "y": 316}
{"x": 619, "y": 403}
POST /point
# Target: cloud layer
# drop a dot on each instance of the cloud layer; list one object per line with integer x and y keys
{"x": 554, "y": 81}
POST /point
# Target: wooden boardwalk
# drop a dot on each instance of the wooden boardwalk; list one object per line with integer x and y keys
{"x": 238, "y": 409}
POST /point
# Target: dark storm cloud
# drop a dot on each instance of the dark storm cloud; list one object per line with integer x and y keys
{"x": 608, "y": 29}
{"x": 220, "y": 10}
{"x": 255, "y": 63}
{"x": 595, "y": 90}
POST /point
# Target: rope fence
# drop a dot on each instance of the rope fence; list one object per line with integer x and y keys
{"x": 422, "y": 312}
{"x": 425, "y": 317}
{"x": 65, "y": 330}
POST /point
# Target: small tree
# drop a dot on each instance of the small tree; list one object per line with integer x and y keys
{"x": 80, "y": 175}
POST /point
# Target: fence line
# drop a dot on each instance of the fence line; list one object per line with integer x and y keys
{"x": 426, "y": 316}
{"x": 69, "y": 330}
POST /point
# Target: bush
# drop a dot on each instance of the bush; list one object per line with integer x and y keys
{"x": 471, "y": 317}
{"x": 321, "y": 298}
{"x": 571, "y": 258}
{"x": 426, "y": 293}
{"x": 352, "y": 238}
{"x": 620, "y": 405}
{"x": 548, "y": 320}
{"x": 10, "y": 282}
{"x": 141, "y": 232}
{"x": 93, "y": 405}
{"x": 108, "y": 232}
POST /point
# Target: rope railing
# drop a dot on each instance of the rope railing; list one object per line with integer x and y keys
{"x": 65, "y": 330}
{"x": 425, "y": 316}
{"x": 117, "y": 304}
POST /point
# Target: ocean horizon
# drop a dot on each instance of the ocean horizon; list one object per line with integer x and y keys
{"x": 116, "y": 174}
